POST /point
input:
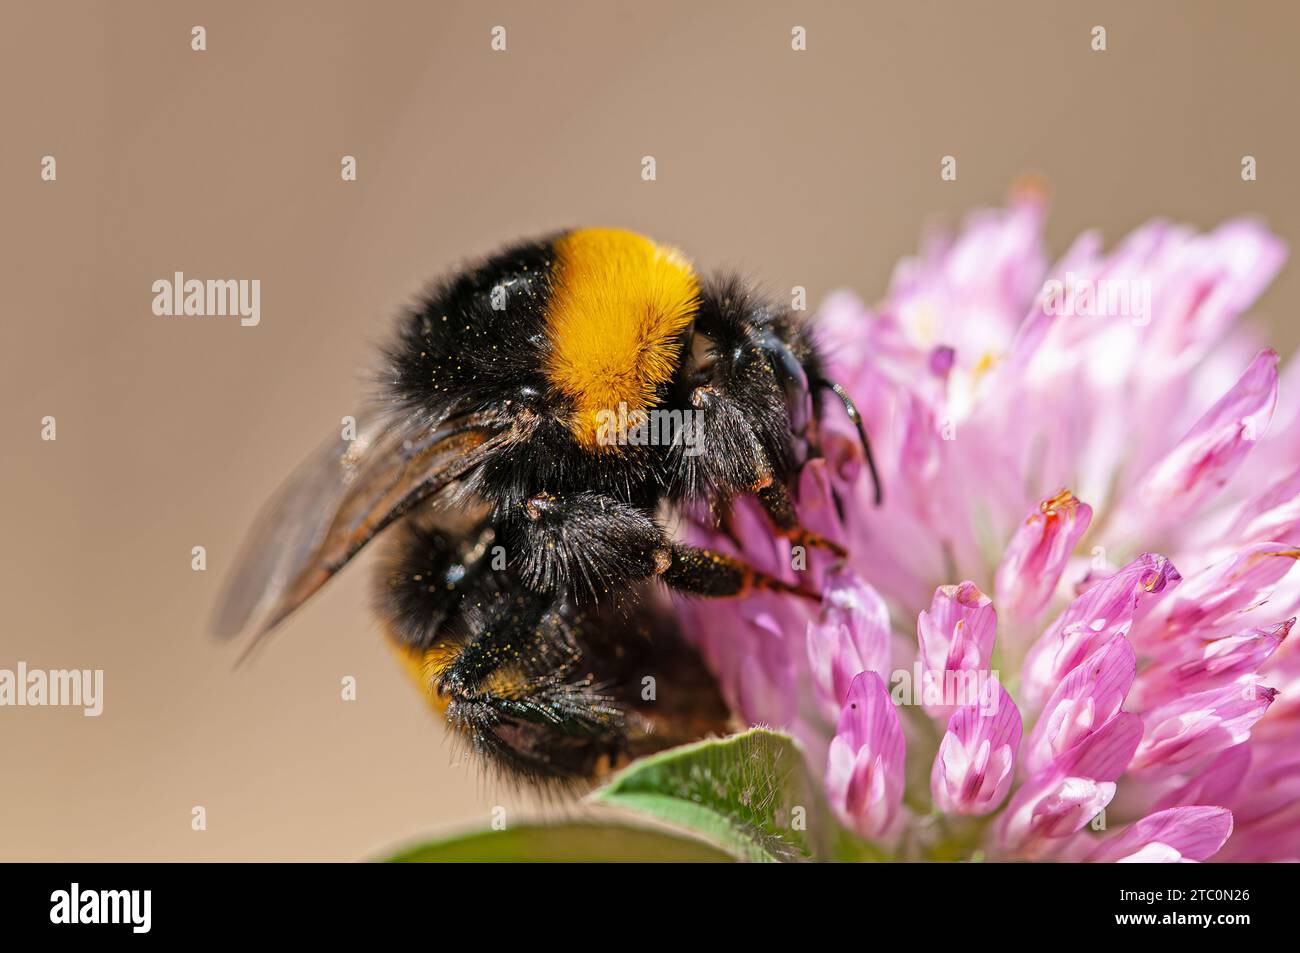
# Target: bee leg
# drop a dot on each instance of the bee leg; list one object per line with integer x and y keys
{"x": 704, "y": 572}
{"x": 515, "y": 692}
{"x": 780, "y": 510}
{"x": 586, "y": 545}
{"x": 592, "y": 545}
{"x": 499, "y": 662}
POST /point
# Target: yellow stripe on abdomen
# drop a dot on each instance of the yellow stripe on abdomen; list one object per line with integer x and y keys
{"x": 426, "y": 667}
{"x": 619, "y": 303}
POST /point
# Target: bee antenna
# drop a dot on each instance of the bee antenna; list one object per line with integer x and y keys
{"x": 851, "y": 409}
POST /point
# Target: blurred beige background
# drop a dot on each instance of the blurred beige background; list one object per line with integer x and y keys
{"x": 816, "y": 168}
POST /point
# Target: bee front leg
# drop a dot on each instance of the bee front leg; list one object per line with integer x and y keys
{"x": 776, "y": 502}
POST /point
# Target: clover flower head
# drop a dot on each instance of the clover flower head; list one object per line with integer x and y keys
{"x": 1063, "y": 634}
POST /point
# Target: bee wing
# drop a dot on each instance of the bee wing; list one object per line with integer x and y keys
{"x": 333, "y": 504}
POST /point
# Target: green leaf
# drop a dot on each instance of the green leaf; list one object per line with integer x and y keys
{"x": 575, "y": 843}
{"x": 746, "y": 793}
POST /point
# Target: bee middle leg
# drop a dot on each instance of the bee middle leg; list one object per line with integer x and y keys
{"x": 591, "y": 543}
{"x": 705, "y": 572}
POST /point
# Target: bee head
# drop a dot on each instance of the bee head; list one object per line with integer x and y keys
{"x": 745, "y": 370}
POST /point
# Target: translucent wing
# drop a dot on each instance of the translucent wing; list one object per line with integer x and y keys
{"x": 336, "y": 502}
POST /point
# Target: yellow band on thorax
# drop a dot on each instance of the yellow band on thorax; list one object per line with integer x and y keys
{"x": 619, "y": 303}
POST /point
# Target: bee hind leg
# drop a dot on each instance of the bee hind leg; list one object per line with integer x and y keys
{"x": 516, "y": 692}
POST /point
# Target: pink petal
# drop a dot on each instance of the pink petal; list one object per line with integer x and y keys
{"x": 1272, "y": 515}
{"x": 956, "y": 635}
{"x": 864, "y": 770}
{"x": 1217, "y": 598}
{"x": 843, "y": 321}
{"x": 1049, "y": 809}
{"x": 1201, "y": 463}
{"x": 1215, "y": 783}
{"x": 766, "y": 690}
{"x": 1087, "y": 699}
{"x": 1266, "y": 809}
{"x": 817, "y": 509}
{"x": 1184, "y": 833}
{"x": 1104, "y": 754}
{"x": 1105, "y": 610}
{"x": 746, "y": 645}
{"x": 921, "y": 454}
{"x": 1199, "y": 725}
{"x": 1076, "y": 783}
{"x": 1205, "y": 665}
{"x": 1061, "y": 798}
{"x": 976, "y": 761}
{"x": 851, "y": 635}
{"x": 1037, "y": 554}
{"x": 1219, "y": 276}
{"x": 970, "y": 291}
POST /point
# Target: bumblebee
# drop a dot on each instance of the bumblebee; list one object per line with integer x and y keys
{"x": 524, "y": 587}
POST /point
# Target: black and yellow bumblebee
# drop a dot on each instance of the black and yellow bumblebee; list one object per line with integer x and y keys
{"x": 524, "y": 586}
